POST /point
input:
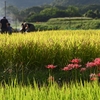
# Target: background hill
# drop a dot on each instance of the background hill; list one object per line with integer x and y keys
{"x": 75, "y": 2}
{"x": 43, "y": 10}
{"x": 25, "y": 3}
{"x": 31, "y": 3}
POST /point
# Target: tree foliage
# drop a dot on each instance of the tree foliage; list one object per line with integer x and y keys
{"x": 44, "y": 13}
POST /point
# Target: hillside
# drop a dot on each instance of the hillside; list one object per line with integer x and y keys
{"x": 31, "y": 3}
{"x": 25, "y": 3}
{"x": 75, "y": 2}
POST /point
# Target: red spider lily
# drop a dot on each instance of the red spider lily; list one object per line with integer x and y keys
{"x": 97, "y": 61}
{"x": 76, "y": 66}
{"x": 66, "y": 68}
{"x": 50, "y": 66}
{"x": 82, "y": 69}
{"x": 92, "y": 75}
{"x": 71, "y": 66}
{"x": 98, "y": 74}
{"x": 93, "y": 78}
{"x": 90, "y": 64}
{"x": 76, "y": 61}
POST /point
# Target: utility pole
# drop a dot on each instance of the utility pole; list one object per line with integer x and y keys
{"x": 5, "y": 8}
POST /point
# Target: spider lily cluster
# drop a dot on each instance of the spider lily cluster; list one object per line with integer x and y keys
{"x": 91, "y": 70}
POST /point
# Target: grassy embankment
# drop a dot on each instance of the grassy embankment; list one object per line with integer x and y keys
{"x": 68, "y": 23}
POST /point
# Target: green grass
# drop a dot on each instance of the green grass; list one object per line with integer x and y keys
{"x": 73, "y": 91}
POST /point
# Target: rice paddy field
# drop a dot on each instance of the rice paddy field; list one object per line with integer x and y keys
{"x": 65, "y": 65}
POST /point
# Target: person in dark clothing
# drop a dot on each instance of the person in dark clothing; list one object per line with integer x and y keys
{"x": 23, "y": 28}
{"x": 29, "y": 27}
{"x": 3, "y": 23}
{"x": 9, "y": 29}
